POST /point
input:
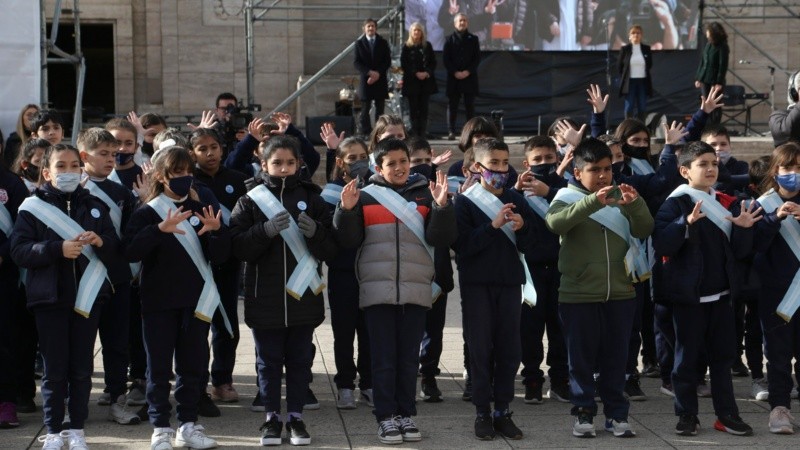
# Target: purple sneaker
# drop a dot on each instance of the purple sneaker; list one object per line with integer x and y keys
{"x": 8, "y": 415}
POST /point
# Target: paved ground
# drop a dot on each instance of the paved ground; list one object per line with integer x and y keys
{"x": 444, "y": 425}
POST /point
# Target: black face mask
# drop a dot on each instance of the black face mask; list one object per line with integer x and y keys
{"x": 616, "y": 168}
{"x": 31, "y": 172}
{"x": 636, "y": 152}
{"x": 543, "y": 170}
{"x": 423, "y": 169}
{"x": 147, "y": 148}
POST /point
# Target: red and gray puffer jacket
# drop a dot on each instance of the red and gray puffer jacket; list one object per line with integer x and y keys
{"x": 392, "y": 266}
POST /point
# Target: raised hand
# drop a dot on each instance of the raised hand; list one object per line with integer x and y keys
{"x": 72, "y": 248}
{"x": 90, "y": 238}
{"x": 491, "y": 6}
{"x": 571, "y": 135}
{"x": 524, "y": 181}
{"x": 142, "y": 184}
{"x": 441, "y": 159}
{"x": 788, "y": 209}
{"x": 596, "y": 98}
{"x": 207, "y": 120}
{"x": 283, "y": 120}
{"x": 565, "y": 162}
{"x": 747, "y": 216}
{"x": 280, "y": 222}
{"x": 504, "y": 215}
{"x": 133, "y": 118}
{"x": 696, "y": 213}
{"x": 674, "y": 133}
{"x": 307, "y": 225}
{"x": 210, "y": 221}
{"x": 439, "y": 189}
{"x": 713, "y": 101}
{"x": 629, "y": 194}
{"x": 170, "y": 224}
{"x": 254, "y": 129}
{"x": 453, "y": 10}
{"x": 350, "y": 194}
{"x": 328, "y": 135}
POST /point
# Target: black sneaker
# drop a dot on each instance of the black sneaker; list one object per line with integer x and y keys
{"x": 258, "y": 404}
{"x": 408, "y": 429}
{"x": 559, "y": 391}
{"x": 206, "y": 407}
{"x": 484, "y": 427}
{"x": 633, "y": 392}
{"x": 388, "y": 432}
{"x": 26, "y": 405}
{"x": 687, "y": 425}
{"x": 296, "y": 430}
{"x": 144, "y": 416}
{"x": 733, "y": 425}
{"x": 271, "y": 432}
{"x": 533, "y": 393}
{"x": 584, "y": 425}
{"x": 429, "y": 391}
{"x": 651, "y": 370}
{"x": 739, "y": 369}
{"x": 311, "y": 400}
{"x": 467, "y": 395}
{"x": 505, "y": 426}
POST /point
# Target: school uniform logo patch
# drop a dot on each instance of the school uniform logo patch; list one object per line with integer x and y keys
{"x": 3, "y": 196}
{"x": 301, "y": 205}
{"x": 95, "y": 213}
{"x": 229, "y": 189}
{"x": 194, "y": 221}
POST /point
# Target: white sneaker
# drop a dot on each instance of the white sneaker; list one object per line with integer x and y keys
{"x": 780, "y": 421}
{"x": 191, "y": 435}
{"x": 760, "y": 389}
{"x": 51, "y": 442}
{"x": 75, "y": 439}
{"x": 162, "y": 439}
{"x": 118, "y": 412}
{"x": 345, "y": 399}
{"x": 620, "y": 428}
{"x": 366, "y": 396}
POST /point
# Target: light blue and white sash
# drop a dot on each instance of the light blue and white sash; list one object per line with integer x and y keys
{"x": 209, "y": 299}
{"x": 114, "y": 176}
{"x": 790, "y": 232}
{"x": 6, "y": 224}
{"x": 305, "y": 275}
{"x": 407, "y": 213}
{"x": 641, "y": 166}
{"x": 453, "y": 183}
{"x": 95, "y": 273}
{"x": 332, "y": 193}
{"x": 636, "y": 261}
{"x": 226, "y": 214}
{"x": 116, "y": 215}
{"x": 490, "y": 205}
{"x": 538, "y": 204}
{"x": 712, "y": 208}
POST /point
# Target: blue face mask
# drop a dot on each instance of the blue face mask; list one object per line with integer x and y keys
{"x": 789, "y": 181}
{"x": 181, "y": 185}
{"x": 68, "y": 182}
{"x": 124, "y": 158}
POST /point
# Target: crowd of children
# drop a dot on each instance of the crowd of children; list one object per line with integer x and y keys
{"x": 149, "y": 238}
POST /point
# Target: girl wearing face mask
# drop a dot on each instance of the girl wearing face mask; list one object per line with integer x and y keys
{"x": 64, "y": 237}
{"x": 176, "y": 238}
{"x": 28, "y": 162}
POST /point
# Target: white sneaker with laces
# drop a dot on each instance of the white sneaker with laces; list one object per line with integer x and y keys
{"x": 620, "y": 428}
{"x": 75, "y": 439}
{"x": 780, "y": 421}
{"x": 118, "y": 412}
{"x": 346, "y": 399}
{"x": 191, "y": 435}
{"x": 162, "y": 439}
{"x": 51, "y": 442}
{"x": 388, "y": 432}
{"x": 408, "y": 429}
{"x": 760, "y": 389}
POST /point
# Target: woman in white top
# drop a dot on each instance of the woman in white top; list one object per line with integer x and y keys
{"x": 635, "y": 61}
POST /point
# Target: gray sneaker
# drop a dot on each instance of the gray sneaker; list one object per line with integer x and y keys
{"x": 760, "y": 389}
{"x": 105, "y": 399}
{"x": 780, "y": 421}
{"x": 620, "y": 428}
{"x": 366, "y": 396}
{"x": 346, "y": 399}
{"x": 118, "y": 412}
{"x": 584, "y": 425}
{"x": 136, "y": 396}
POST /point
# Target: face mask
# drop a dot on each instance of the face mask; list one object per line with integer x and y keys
{"x": 124, "y": 158}
{"x": 147, "y": 148}
{"x": 616, "y": 168}
{"x": 475, "y": 176}
{"x": 543, "y": 170}
{"x": 724, "y": 156}
{"x": 494, "y": 178}
{"x": 562, "y": 149}
{"x": 636, "y": 152}
{"x": 68, "y": 182}
{"x": 358, "y": 169}
{"x": 31, "y": 172}
{"x": 423, "y": 169}
{"x": 181, "y": 185}
{"x": 789, "y": 181}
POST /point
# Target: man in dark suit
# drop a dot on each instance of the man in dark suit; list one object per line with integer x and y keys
{"x": 373, "y": 59}
{"x": 462, "y": 54}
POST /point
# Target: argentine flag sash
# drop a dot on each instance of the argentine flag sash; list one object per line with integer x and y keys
{"x": 636, "y": 262}
{"x": 790, "y": 232}
{"x": 305, "y": 275}
{"x": 407, "y": 213}
{"x": 116, "y": 216}
{"x": 491, "y": 205}
{"x": 114, "y": 176}
{"x": 95, "y": 273}
{"x": 453, "y": 183}
{"x": 332, "y": 193}
{"x": 6, "y": 224}
{"x": 209, "y": 299}
{"x": 538, "y": 204}
{"x": 711, "y": 207}
{"x": 226, "y": 214}
{"x": 641, "y": 166}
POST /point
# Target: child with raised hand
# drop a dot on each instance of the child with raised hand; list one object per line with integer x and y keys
{"x": 65, "y": 239}
{"x": 778, "y": 262}
{"x": 281, "y": 229}
{"x": 599, "y": 224}
{"x": 176, "y": 237}
{"x": 395, "y": 293}
{"x": 700, "y": 235}
{"x": 28, "y": 163}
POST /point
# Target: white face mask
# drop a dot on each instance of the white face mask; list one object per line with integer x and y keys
{"x": 724, "y": 156}
{"x": 68, "y": 182}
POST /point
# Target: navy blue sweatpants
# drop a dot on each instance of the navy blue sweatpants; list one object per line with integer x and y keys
{"x": 394, "y": 336}
{"x": 665, "y": 341}
{"x": 704, "y": 326}
{"x": 430, "y": 349}
{"x": 290, "y": 347}
{"x": 533, "y": 323}
{"x": 167, "y": 334}
{"x": 136, "y": 353}
{"x": 114, "y": 337}
{"x": 9, "y": 336}
{"x": 493, "y": 315}
{"x": 223, "y": 344}
{"x": 597, "y": 336}
{"x": 782, "y": 343}
{"x": 66, "y": 341}
{"x": 347, "y": 322}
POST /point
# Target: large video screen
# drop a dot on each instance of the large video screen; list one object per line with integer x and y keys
{"x": 560, "y": 25}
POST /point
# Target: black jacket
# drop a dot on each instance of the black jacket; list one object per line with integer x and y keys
{"x": 120, "y": 271}
{"x": 379, "y": 60}
{"x": 53, "y": 280}
{"x": 462, "y": 51}
{"x": 624, "y": 67}
{"x": 714, "y": 65}
{"x": 270, "y": 262}
{"x": 418, "y": 58}
{"x": 12, "y": 193}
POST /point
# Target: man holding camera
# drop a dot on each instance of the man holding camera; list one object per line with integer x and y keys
{"x": 226, "y": 107}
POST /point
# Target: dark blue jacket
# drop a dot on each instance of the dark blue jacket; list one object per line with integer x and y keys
{"x": 704, "y": 257}
{"x": 733, "y": 176}
{"x": 170, "y": 279}
{"x": 484, "y": 255}
{"x": 53, "y": 280}
{"x": 120, "y": 271}
{"x": 128, "y": 176}
{"x": 242, "y": 155}
{"x": 12, "y": 193}
{"x": 227, "y": 185}
{"x": 654, "y": 187}
{"x": 774, "y": 260}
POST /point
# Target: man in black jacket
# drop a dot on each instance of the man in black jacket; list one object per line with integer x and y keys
{"x": 373, "y": 59}
{"x": 461, "y": 55}
{"x": 785, "y": 125}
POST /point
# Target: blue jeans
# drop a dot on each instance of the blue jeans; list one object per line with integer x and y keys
{"x": 636, "y": 98}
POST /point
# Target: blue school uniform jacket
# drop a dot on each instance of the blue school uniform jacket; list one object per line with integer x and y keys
{"x": 120, "y": 272}
{"x": 12, "y": 193}
{"x": 774, "y": 260}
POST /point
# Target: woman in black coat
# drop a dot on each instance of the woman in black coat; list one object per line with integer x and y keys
{"x": 418, "y": 63}
{"x": 635, "y": 62}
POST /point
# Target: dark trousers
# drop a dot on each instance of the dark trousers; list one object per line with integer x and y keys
{"x": 394, "y": 336}
{"x": 9, "y": 338}
{"x": 136, "y": 353}
{"x": 452, "y": 109}
{"x": 418, "y": 111}
{"x": 364, "y": 118}
{"x": 493, "y": 314}
{"x": 636, "y": 100}
{"x": 66, "y": 341}
{"x": 597, "y": 336}
{"x": 174, "y": 334}
{"x": 642, "y": 335}
{"x": 665, "y": 340}
{"x": 709, "y": 326}
{"x": 782, "y": 343}
{"x": 114, "y": 335}
{"x": 753, "y": 336}
{"x": 430, "y": 349}
{"x": 290, "y": 347}
{"x": 533, "y": 323}
{"x": 223, "y": 344}
{"x": 347, "y": 322}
